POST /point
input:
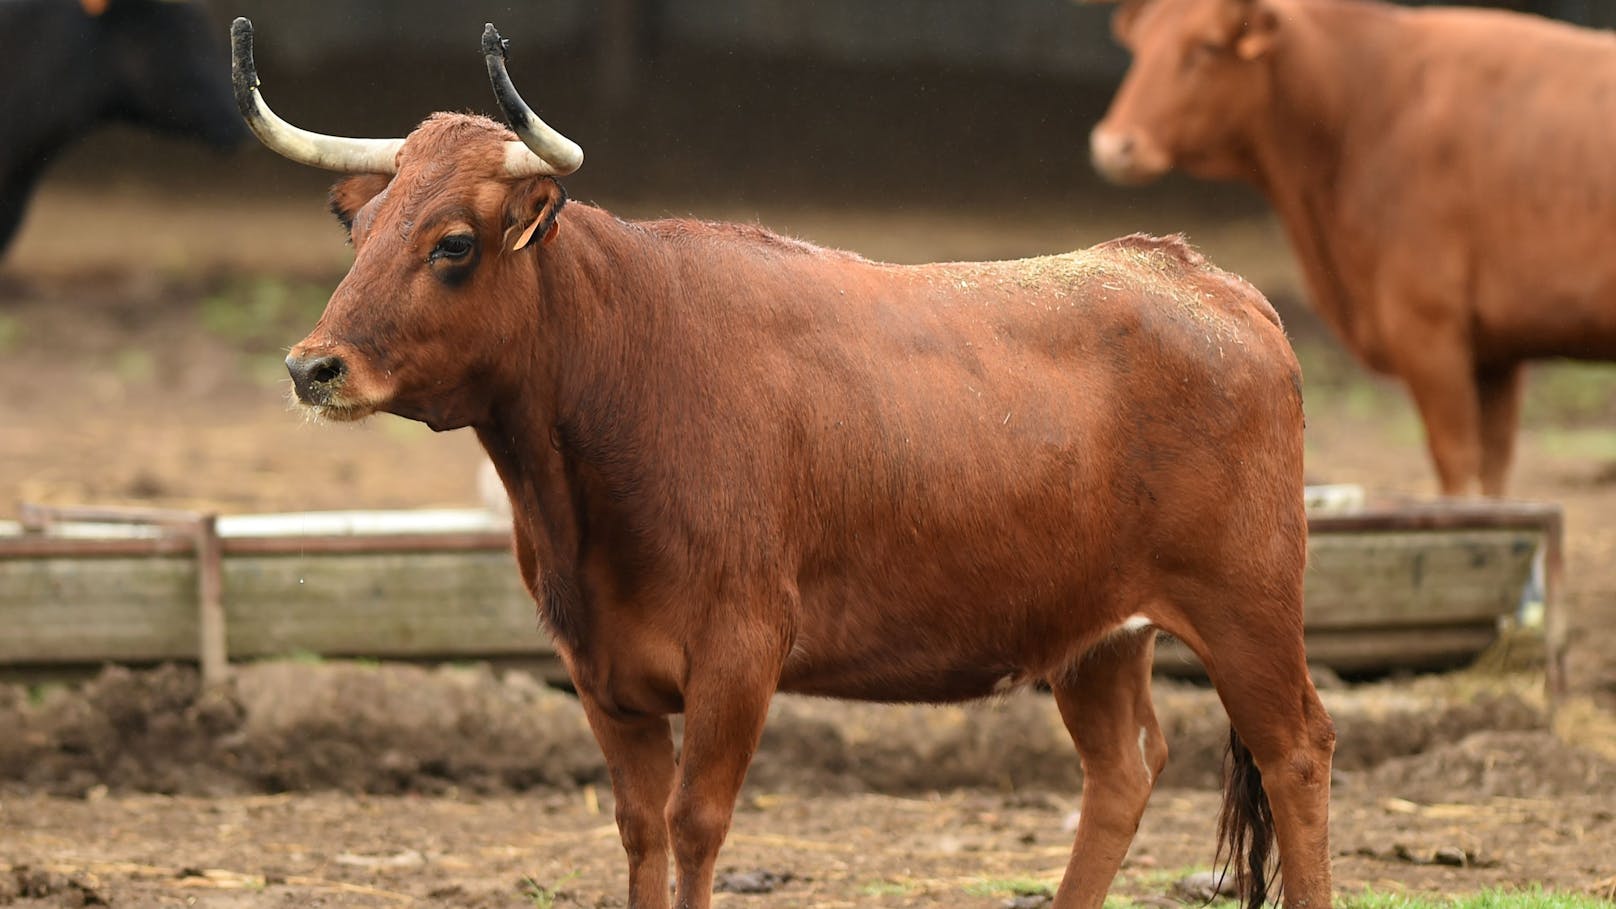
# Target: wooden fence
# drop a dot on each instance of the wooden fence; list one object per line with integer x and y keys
{"x": 1410, "y": 586}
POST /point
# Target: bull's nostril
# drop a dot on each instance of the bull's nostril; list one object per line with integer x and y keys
{"x": 326, "y": 371}
{"x": 316, "y": 379}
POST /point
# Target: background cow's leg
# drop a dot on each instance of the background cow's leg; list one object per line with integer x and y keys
{"x": 1251, "y": 645}
{"x": 1441, "y": 377}
{"x": 1105, "y": 702}
{"x": 1500, "y": 388}
{"x": 725, "y": 706}
{"x": 639, "y": 757}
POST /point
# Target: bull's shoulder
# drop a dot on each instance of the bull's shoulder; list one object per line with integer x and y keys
{"x": 1171, "y": 268}
{"x": 1171, "y": 249}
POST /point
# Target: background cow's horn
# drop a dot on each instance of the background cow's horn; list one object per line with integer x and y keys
{"x": 542, "y": 151}
{"x": 338, "y": 153}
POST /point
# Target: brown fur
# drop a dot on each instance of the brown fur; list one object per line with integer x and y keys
{"x": 1442, "y": 174}
{"x": 740, "y": 463}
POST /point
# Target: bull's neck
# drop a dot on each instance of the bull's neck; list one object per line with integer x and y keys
{"x": 1315, "y": 124}
{"x": 599, "y": 289}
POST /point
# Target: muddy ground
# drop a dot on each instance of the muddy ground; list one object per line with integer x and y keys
{"x": 361, "y": 785}
{"x": 142, "y": 366}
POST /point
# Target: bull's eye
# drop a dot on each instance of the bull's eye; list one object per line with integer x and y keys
{"x": 454, "y": 247}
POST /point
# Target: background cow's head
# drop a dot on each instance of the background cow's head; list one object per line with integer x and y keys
{"x": 163, "y": 68}
{"x": 445, "y": 224}
{"x": 1199, "y": 77}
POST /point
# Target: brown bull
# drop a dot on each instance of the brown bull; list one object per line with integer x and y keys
{"x": 1443, "y": 175}
{"x": 741, "y": 464}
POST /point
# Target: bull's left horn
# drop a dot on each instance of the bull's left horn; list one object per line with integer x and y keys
{"x": 542, "y": 151}
{"x": 338, "y": 153}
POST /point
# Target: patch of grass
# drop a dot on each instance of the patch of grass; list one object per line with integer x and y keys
{"x": 1126, "y": 902}
{"x": 542, "y": 896}
{"x": 38, "y": 693}
{"x": 1162, "y": 879}
{"x": 1570, "y": 393}
{"x": 1594, "y": 443}
{"x": 133, "y": 365}
{"x": 10, "y": 333}
{"x": 263, "y": 313}
{"x": 1009, "y": 886}
{"x": 1530, "y": 898}
{"x": 1326, "y": 365}
{"x": 1563, "y": 393}
{"x": 885, "y": 888}
{"x": 306, "y": 657}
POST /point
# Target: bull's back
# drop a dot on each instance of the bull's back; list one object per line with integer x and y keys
{"x": 1022, "y": 441}
{"x": 1491, "y": 152}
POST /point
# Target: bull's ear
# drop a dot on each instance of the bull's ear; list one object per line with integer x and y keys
{"x": 1257, "y": 31}
{"x": 350, "y": 194}
{"x": 1123, "y": 19}
{"x": 532, "y": 213}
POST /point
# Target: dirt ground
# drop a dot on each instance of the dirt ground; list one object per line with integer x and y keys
{"x": 348, "y": 784}
{"x": 143, "y": 367}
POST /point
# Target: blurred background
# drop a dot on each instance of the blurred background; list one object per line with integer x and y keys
{"x": 155, "y": 281}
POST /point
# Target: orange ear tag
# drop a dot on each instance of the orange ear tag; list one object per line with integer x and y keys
{"x": 93, "y": 7}
{"x": 527, "y": 235}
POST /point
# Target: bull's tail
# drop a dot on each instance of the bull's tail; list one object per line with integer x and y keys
{"x": 1246, "y": 828}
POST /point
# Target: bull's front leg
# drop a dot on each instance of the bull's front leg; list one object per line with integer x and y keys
{"x": 725, "y": 706}
{"x": 639, "y": 757}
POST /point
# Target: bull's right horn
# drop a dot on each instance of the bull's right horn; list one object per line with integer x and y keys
{"x": 338, "y": 153}
{"x": 542, "y": 151}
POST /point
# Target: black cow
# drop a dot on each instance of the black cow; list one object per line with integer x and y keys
{"x": 69, "y": 66}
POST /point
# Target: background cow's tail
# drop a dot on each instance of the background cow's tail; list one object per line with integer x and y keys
{"x": 1246, "y": 827}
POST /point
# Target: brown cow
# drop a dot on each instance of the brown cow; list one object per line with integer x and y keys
{"x": 739, "y": 464}
{"x": 1443, "y": 175}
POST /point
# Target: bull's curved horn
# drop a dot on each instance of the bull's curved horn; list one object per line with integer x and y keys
{"x": 338, "y": 153}
{"x": 542, "y": 151}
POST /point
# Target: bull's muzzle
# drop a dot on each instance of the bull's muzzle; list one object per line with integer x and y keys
{"x": 316, "y": 379}
{"x": 1124, "y": 156}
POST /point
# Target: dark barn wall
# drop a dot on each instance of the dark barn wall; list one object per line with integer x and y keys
{"x": 873, "y": 102}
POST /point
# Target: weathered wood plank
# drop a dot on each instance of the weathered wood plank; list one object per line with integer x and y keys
{"x": 1406, "y": 578}
{"x": 380, "y": 604}
{"x": 1363, "y": 649}
{"x": 123, "y": 609}
{"x": 386, "y": 598}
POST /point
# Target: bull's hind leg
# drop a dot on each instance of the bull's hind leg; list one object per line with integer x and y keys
{"x": 1105, "y": 702}
{"x": 1500, "y": 389}
{"x": 1251, "y": 644}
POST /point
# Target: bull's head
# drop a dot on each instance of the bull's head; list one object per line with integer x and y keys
{"x": 1199, "y": 78}
{"x": 442, "y": 223}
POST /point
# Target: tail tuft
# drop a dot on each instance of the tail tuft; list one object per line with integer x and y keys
{"x": 1246, "y": 828}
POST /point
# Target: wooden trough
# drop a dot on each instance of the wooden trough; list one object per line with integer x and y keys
{"x": 1388, "y": 586}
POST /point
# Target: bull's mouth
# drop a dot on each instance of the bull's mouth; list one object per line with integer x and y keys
{"x": 1128, "y": 173}
{"x": 333, "y": 409}
{"x": 340, "y": 413}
